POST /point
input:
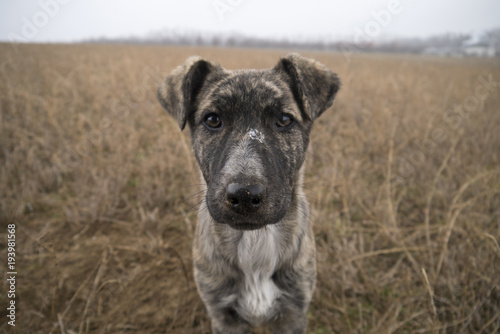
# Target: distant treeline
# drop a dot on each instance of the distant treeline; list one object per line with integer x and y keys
{"x": 356, "y": 44}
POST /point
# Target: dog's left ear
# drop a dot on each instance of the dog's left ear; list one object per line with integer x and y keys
{"x": 313, "y": 85}
{"x": 177, "y": 94}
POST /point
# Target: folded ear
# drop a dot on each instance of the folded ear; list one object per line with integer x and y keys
{"x": 177, "y": 94}
{"x": 313, "y": 85}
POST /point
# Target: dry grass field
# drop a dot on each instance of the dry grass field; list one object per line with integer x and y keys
{"x": 403, "y": 180}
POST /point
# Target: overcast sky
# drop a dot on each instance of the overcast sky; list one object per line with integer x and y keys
{"x": 75, "y": 20}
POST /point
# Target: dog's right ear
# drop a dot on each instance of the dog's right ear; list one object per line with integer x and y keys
{"x": 177, "y": 94}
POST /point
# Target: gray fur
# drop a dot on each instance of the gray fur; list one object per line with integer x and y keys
{"x": 254, "y": 251}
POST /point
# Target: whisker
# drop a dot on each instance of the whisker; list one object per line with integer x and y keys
{"x": 308, "y": 197}
{"x": 192, "y": 207}
{"x": 195, "y": 194}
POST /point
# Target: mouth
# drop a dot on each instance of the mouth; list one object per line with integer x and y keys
{"x": 247, "y": 226}
{"x": 244, "y": 223}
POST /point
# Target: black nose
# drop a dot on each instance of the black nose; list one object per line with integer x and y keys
{"x": 245, "y": 199}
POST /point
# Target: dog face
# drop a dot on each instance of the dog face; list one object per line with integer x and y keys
{"x": 249, "y": 132}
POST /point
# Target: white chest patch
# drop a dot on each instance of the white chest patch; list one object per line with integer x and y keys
{"x": 258, "y": 256}
{"x": 256, "y": 134}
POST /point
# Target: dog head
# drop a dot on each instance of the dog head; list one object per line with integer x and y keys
{"x": 249, "y": 131}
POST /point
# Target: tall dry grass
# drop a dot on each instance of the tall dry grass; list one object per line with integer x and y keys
{"x": 102, "y": 187}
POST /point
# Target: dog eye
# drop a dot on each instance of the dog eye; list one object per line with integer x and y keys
{"x": 284, "y": 121}
{"x": 213, "y": 121}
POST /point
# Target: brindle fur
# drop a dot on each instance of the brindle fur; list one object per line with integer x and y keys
{"x": 255, "y": 268}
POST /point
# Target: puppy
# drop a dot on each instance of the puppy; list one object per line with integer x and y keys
{"x": 254, "y": 250}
